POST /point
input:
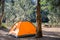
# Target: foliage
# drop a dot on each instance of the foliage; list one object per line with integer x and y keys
{"x": 16, "y": 10}
{"x": 54, "y": 10}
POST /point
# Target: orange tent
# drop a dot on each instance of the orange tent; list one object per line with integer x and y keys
{"x": 24, "y": 28}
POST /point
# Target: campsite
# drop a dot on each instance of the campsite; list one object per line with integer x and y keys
{"x": 29, "y": 19}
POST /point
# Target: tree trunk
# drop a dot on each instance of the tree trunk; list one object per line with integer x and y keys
{"x": 1, "y": 16}
{"x": 0, "y": 13}
{"x": 39, "y": 21}
{"x": 0, "y": 21}
{"x": 0, "y": 2}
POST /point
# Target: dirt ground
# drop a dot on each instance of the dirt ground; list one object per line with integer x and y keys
{"x": 48, "y": 34}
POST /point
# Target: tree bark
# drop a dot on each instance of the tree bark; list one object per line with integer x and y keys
{"x": 0, "y": 2}
{"x": 1, "y": 16}
{"x": 38, "y": 20}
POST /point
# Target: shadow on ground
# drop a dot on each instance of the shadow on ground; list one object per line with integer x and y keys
{"x": 29, "y": 38}
{"x": 4, "y": 29}
{"x": 47, "y": 35}
{"x": 51, "y": 34}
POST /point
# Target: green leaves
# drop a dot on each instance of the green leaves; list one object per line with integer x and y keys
{"x": 16, "y": 9}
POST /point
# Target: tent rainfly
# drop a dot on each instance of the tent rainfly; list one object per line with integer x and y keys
{"x": 21, "y": 29}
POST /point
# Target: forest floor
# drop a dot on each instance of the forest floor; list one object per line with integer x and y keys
{"x": 48, "y": 34}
